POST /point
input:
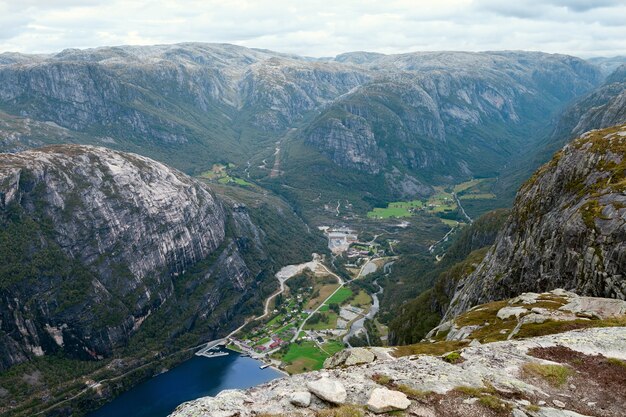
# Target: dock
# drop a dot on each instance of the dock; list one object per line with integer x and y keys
{"x": 211, "y": 350}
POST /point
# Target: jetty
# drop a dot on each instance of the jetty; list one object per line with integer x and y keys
{"x": 211, "y": 350}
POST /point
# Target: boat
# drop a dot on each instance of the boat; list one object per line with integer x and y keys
{"x": 264, "y": 366}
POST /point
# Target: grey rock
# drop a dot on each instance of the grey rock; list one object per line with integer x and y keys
{"x": 499, "y": 363}
{"x": 327, "y": 389}
{"x": 554, "y": 412}
{"x": 350, "y": 357}
{"x": 506, "y": 312}
{"x": 300, "y": 398}
{"x": 383, "y": 400}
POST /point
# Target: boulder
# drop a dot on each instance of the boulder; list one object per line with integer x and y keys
{"x": 506, "y": 312}
{"x": 328, "y": 389}
{"x": 300, "y": 398}
{"x": 595, "y": 307}
{"x": 525, "y": 298}
{"x": 555, "y": 412}
{"x": 383, "y": 400}
{"x": 461, "y": 334}
{"x": 350, "y": 357}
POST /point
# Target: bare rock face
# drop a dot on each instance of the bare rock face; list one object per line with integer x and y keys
{"x": 567, "y": 229}
{"x": 97, "y": 240}
{"x": 602, "y": 108}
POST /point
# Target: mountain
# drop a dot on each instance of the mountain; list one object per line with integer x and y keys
{"x": 608, "y": 64}
{"x": 603, "y": 107}
{"x": 428, "y": 119}
{"x": 108, "y": 254}
{"x": 402, "y": 122}
{"x": 183, "y": 103}
{"x": 566, "y": 228}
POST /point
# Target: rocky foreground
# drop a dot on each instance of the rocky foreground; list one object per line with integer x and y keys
{"x": 573, "y": 373}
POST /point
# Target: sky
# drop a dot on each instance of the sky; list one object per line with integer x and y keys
{"x": 584, "y": 28}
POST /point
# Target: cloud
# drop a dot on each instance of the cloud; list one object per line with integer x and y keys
{"x": 319, "y": 28}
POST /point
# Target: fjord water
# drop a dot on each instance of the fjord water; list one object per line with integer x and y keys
{"x": 194, "y": 378}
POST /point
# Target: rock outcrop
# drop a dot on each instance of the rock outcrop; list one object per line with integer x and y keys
{"x": 567, "y": 228}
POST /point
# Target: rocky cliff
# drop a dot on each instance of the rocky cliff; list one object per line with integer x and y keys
{"x": 502, "y": 360}
{"x": 95, "y": 242}
{"x": 567, "y": 228}
{"x": 410, "y": 120}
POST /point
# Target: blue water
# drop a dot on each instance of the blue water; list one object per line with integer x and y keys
{"x": 194, "y": 378}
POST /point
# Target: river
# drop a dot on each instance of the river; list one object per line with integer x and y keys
{"x": 194, "y": 378}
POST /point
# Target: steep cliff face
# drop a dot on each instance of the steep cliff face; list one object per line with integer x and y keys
{"x": 94, "y": 242}
{"x": 441, "y": 114}
{"x": 567, "y": 228}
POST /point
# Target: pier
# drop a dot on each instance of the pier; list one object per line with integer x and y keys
{"x": 210, "y": 350}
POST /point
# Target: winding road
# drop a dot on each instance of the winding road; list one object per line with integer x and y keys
{"x": 458, "y": 203}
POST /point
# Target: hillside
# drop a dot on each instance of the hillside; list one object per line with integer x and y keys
{"x": 566, "y": 228}
{"x": 602, "y": 107}
{"x": 113, "y": 256}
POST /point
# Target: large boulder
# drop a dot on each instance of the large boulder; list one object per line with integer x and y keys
{"x": 328, "y": 389}
{"x": 350, "y": 357}
{"x": 384, "y": 400}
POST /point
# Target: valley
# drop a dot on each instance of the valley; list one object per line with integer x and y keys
{"x": 158, "y": 200}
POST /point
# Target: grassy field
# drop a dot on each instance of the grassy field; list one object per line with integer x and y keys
{"x": 441, "y": 201}
{"x": 477, "y": 189}
{"x": 307, "y": 356}
{"x": 362, "y": 299}
{"x": 340, "y": 296}
{"x": 324, "y": 292}
{"x": 451, "y": 223}
{"x": 464, "y": 186}
{"x": 480, "y": 196}
{"x": 331, "y": 323}
{"x": 395, "y": 209}
{"x": 219, "y": 173}
{"x": 332, "y": 346}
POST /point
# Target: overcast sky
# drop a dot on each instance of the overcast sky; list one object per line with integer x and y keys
{"x": 320, "y": 28}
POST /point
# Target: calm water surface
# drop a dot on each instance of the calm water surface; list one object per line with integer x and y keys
{"x": 197, "y": 377}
